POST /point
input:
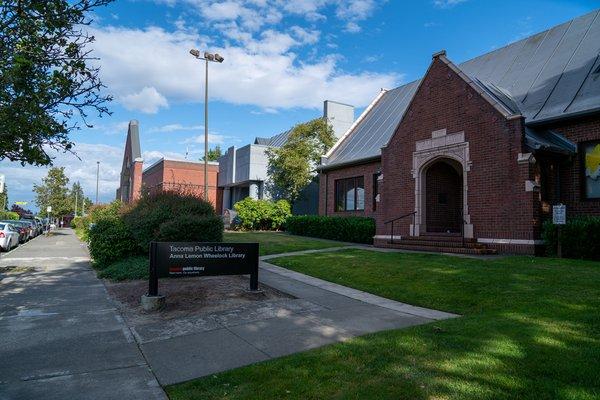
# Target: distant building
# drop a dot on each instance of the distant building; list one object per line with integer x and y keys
{"x": 183, "y": 177}
{"x": 472, "y": 157}
{"x": 243, "y": 171}
{"x": 164, "y": 174}
{"x": 131, "y": 172}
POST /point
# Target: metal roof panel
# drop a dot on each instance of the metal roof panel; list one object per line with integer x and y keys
{"x": 547, "y": 75}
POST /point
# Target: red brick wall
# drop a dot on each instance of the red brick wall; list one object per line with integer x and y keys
{"x": 498, "y": 204}
{"x": 578, "y": 130}
{"x": 136, "y": 180}
{"x": 184, "y": 176}
{"x": 327, "y": 189}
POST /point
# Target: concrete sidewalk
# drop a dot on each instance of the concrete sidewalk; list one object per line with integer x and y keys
{"x": 60, "y": 335}
{"x": 320, "y": 313}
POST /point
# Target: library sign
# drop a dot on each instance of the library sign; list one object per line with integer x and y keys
{"x": 187, "y": 259}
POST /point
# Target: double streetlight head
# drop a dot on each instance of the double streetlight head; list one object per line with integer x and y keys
{"x": 207, "y": 56}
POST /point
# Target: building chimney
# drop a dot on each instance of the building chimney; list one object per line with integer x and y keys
{"x": 339, "y": 115}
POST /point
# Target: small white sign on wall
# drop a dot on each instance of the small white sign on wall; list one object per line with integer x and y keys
{"x": 559, "y": 214}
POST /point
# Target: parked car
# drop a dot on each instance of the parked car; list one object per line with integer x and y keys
{"x": 9, "y": 237}
{"x": 31, "y": 226}
{"x": 21, "y": 226}
{"x": 31, "y": 218}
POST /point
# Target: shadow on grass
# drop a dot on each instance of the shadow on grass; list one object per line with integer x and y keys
{"x": 530, "y": 330}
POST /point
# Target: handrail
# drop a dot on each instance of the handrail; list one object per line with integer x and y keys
{"x": 400, "y": 217}
{"x": 396, "y": 219}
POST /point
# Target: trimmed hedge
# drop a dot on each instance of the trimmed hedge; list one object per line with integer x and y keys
{"x": 346, "y": 229}
{"x": 192, "y": 228}
{"x": 150, "y": 212}
{"x": 262, "y": 215}
{"x": 110, "y": 241}
{"x": 580, "y": 238}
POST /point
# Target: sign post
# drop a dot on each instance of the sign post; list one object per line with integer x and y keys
{"x": 559, "y": 218}
{"x": 188, "y": 259}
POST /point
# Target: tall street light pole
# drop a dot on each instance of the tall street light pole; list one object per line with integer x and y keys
{"x": 97, "y": 178}
{"x": 214, "y": 58}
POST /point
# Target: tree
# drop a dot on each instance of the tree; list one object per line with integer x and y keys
{"x": 54, "y": 192}
{"x": 77, "y": 199}
{"x": 4, "y": 199}
{"x": 20, "y": 210}
{"x": 213, "y": 154}
{"x": 292, "y": 166}
{"x": 47, "y": 83}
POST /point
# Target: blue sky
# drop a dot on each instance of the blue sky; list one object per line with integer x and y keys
{"x": 282, "y": 59}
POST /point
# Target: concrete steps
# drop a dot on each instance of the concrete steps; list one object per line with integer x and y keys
{"x": 441, "y": 243}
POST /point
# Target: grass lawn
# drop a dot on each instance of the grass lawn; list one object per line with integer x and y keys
{"x": 530, "y": 330}
{"x": 136, "y": 267}
{"x": 279, "y": 242}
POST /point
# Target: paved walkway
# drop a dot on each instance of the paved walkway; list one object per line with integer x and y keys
{"x": 60, "y": 335}
{"x": 321, "y": 313}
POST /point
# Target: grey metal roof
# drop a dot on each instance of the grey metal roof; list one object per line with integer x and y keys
{"x": 540, "y": 139}
{"x": 133, "y": 134}
{"x": 274, "y": 141}
{"x": 550, "y": 75}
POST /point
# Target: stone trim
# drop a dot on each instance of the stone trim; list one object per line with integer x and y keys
{"x": 510, "y": 241}
{"x": 452, "y": 146}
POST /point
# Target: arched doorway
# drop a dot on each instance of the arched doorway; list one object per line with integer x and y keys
{"x": 443, "y": 196}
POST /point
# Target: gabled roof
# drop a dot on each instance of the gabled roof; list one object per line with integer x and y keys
{"x": 551, "y": 75}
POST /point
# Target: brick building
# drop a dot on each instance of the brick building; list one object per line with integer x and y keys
{"x": 471, "y": 157}
{"x": 164, "y": 174}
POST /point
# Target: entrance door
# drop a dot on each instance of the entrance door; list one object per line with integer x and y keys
{"x": 443, "y": 197}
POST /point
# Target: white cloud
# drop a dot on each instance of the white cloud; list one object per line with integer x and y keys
{"x": 83, "y": 169}
{"x": 352, "y": 27}
{"x": 174, "y": 128}
{"x": 213, "y": 138}
{"x": 447, "y": 3}
{"x": 145, "y": 67}
{"x": 148, "y": 100}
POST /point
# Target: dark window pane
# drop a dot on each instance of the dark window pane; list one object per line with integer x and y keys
{"x": 350, "y": 204}
{"x": 339, "y": 195}
{"x": 375, "y": 190}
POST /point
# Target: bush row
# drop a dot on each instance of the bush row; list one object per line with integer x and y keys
{"x": 261, "y": 214}
{"x": 9, "y": 215}
{"x": 580, "y": 238}
{"x": 346, "y": 229}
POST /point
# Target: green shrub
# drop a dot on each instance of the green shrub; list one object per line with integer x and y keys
{"x": 150, "y": 212}
{"x": 346, "y": 229}
{"x": 103, "y": 211}
{"x": 9, "y": 215}
{"x": 262, "y": 214}
{"x": 580, "y": 238}
{"x": 110, "y": 241}
{"x": 192, "y": 228}
{"x": 76, "y": 223}
{"x": 96, "y": 213}
{"x": 135, "y": 267}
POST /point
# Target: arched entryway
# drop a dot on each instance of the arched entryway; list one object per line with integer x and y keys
{"x": 443, "y": 196}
